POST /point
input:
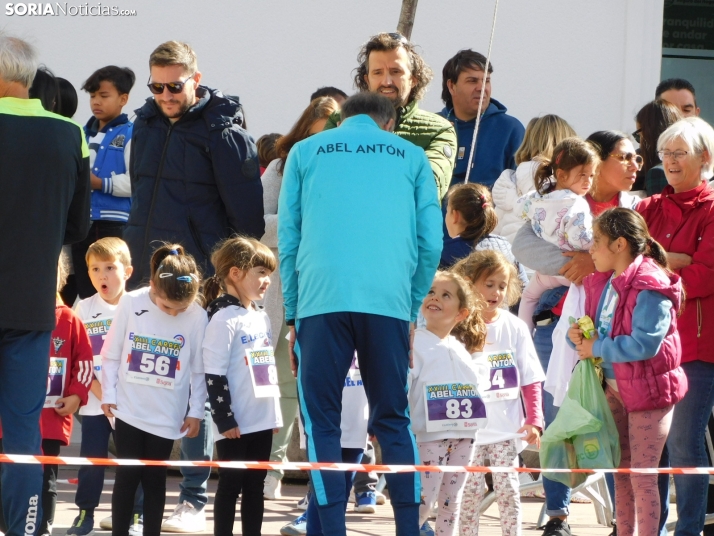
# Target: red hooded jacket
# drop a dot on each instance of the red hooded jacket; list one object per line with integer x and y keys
{"x": 684, "y": 223}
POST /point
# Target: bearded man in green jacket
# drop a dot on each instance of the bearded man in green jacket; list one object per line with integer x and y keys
{"x": 390, "y": 66}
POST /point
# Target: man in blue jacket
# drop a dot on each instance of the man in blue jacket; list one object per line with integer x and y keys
{"x": 500, "y": 135}
{"x": 359, "y": 221}
{"x": 194, "y": 180}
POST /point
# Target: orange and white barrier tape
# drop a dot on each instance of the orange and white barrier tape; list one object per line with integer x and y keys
{"x": 324, "y": 466}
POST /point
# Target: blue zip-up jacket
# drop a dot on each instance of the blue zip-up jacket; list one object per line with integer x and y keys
{"x": 109, "y": 162}
{"x": 195, "y": 181}
{"x": 500, "y": 135}
{"x": 359, "y": 224}
{"x": 650, "y": 324}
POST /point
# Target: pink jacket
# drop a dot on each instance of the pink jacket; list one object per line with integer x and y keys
{"x": 653, "y": 383}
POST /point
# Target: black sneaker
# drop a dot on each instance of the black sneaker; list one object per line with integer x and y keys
{"x": 556, "y": 527}
{"x": 82, "y": 525}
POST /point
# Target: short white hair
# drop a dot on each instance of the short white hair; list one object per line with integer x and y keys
{"x": 696, "y": 133}
{"x": 18, "y": 60}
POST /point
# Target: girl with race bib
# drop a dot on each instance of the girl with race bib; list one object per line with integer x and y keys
{"x": 444, "y": 400}
{"x": 241, "y": 377}
{"x": 513, "y": 377}
{"x": 151, "y": 369}
{"x": 634, "y": 300}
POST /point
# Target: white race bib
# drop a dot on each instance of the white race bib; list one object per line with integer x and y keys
{"x": 503, "y": 378}
{"x": 153, "y": 361}
{"x": 453, "y": 406}
{"x": 263, "y": 372}
{"x": 55, "y": 381}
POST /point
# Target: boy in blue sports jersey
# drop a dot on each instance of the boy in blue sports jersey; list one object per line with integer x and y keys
{"x": 108, "y": 134}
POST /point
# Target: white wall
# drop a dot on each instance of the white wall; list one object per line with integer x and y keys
{"x": 594, "y": 62}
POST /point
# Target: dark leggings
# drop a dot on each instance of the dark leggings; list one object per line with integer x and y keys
{"x": 133, "y": 443}
{"x": 233, "y": 482}
{"x": 50, "y": 447}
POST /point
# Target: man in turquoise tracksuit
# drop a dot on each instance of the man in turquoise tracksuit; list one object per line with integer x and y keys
{"x": 359, "y": 235}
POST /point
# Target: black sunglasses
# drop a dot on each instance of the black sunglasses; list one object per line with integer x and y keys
{"x": 637, "y": 134}
{"x": 174, "y": 87}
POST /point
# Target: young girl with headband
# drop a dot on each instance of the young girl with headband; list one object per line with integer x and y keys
{"x": 151, "y": 370}
{"x": 444, "y": 402}
{"x": 241, "y": 378}
{"x": 634, "y": 300}
{"x": 512, "y": 391}
{"x": 558, "y": 211}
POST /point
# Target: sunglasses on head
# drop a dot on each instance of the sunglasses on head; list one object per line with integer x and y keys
{"x": 174, "y": 87}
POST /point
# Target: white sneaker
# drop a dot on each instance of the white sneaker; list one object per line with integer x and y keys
{"x": 271, "y": 488}
{"x": 106, "y": 523}
{"x": 185, "y": 518}
{"x": 381, "y": 499}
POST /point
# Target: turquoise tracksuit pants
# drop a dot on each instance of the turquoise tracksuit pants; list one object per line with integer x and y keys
{"x": 325, "y": 348}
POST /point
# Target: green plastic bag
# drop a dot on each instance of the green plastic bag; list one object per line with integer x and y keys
{"x": 583, "y": 434}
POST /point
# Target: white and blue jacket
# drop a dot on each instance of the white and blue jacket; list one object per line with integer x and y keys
{"x": 109, "y": 157}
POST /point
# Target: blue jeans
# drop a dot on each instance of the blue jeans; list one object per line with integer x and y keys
{"x": 557, "y": 495}
{"x": 24, "y": 362}
{"x": 686, "y": 446}
{"x": 195, "y": 479}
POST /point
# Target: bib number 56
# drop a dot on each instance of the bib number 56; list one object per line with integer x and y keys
{"x": 151, "y": 363}
{"x": 453, "y": 408}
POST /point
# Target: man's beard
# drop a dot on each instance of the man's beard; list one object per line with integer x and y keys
{"x": 183, "y": 108}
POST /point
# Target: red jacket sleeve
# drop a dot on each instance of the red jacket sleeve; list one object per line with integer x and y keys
{"x": 698, "y": 277}
{"x": 81, "y": 361}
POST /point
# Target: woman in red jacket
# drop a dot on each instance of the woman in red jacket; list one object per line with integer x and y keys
{"x": 681, "y": 219}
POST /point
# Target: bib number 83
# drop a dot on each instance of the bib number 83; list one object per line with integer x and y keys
{"x": 151, "y": 363}
{"x": 453, "y": 409}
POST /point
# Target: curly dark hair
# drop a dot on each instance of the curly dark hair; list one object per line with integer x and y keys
{"x": 384, "y": 42}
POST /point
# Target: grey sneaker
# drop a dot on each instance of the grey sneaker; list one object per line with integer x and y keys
{"x": 556, "y": 527}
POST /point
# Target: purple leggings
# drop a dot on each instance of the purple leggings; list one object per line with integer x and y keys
{"x": 642, "y": 438}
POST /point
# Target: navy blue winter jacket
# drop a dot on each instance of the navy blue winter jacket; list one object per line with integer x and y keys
{"x": 499, "y": 137}
{"x": 194, "y": 182}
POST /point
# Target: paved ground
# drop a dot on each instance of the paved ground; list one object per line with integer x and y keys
{"x": 280, "y": 512}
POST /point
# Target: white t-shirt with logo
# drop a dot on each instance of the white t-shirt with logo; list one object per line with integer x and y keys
{"x": 97, "y": 315}
{"x": 150, "y": 362}
{"x": 231, "y": 331}
{"x": 511, "y": 361}
{"x": 440, "y": 364}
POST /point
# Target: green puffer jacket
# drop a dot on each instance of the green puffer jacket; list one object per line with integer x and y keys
{"x": 429, "y": 131}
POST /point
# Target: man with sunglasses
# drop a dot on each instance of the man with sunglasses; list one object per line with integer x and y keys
{"x": 195, "y": 180}
{"x": 390, "y": 66}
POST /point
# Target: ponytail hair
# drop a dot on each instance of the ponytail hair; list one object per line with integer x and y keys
{"x": 474, "y": 203}
{"x": 625, "y": 223}
{"x": 242, "y": 252}
{"x": 174, "y": 273}
{"x": 568, "y": 154}
{"x": 471, "y": 332}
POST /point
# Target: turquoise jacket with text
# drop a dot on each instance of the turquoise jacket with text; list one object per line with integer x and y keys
{"x": 359, "y": 224}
